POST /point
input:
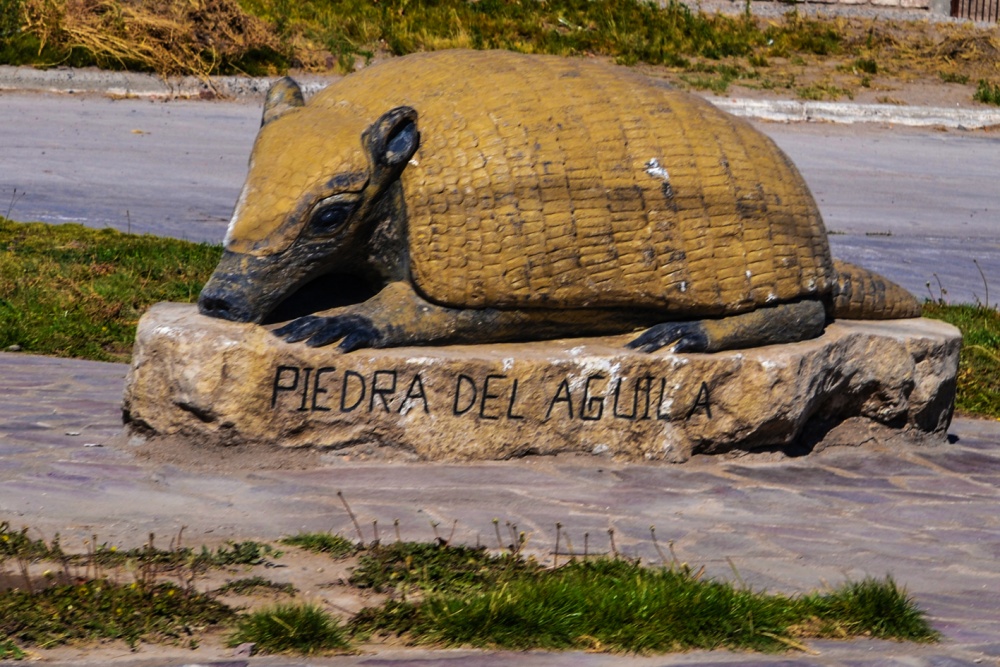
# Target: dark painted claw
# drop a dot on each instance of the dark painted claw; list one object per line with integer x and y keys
{"x": 299, "y": 329}
{"x": 687, "y": 336}
{"x": 355, "y": 330}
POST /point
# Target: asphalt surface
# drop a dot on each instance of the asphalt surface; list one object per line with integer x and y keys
{"x": 926, "y": 515}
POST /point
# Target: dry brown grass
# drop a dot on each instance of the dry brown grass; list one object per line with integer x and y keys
{"x": 165, "y": 36}
{"x": 812, "y": 58}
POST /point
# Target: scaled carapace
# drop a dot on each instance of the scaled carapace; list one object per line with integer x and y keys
{"x": 475, "y": 197}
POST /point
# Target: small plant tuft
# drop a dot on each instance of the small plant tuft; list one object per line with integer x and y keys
{"x": 954, "y": 77}
{"x": 251, "y": 585}
{"x": 11, "y": 651}
{"x": 334, "y": 546}
{"x": 987, "y": 92}
{"x": 304, "y": 629}
{"x": 873, "y": 607}
{"x": 866, "y": 65}
{"x": 434, "y": 567}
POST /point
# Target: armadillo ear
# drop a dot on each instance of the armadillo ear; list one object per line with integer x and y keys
{"x": 283, "y": 96}
{"x": 393, "y": 139}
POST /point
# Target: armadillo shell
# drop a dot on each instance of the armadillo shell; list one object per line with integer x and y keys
{"x": 567, "y": 183}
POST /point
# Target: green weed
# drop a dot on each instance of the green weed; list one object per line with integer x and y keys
{"x": 325, "y": 543}
{"x": 70, "y": 291}
{"x": 987, "y": 93}
{"x": 304, "y": 629}
{"x": 716, "y": 78}
{"x": 866, "y": 65}
{"x": 17, "y": 544}
{"x": 952, "y": 77}
{"x": 231, "y": 553}
{"x": 11, "y": 651}
{"x": 251, "y": 585}
{"x": 823, "y": 92}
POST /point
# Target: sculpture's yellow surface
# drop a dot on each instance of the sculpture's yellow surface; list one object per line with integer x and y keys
{"x": 549, "y": 182}
{"x": 466, "y": 196}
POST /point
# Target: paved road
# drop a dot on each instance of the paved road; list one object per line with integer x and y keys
{"x": 175, "y": 168}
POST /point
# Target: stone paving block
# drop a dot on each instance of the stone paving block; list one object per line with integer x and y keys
{"x": 970, "y": 462}
{"x": 934, "y": 526}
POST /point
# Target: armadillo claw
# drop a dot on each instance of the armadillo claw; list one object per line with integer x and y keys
{"x": 687, "y": 336}
{"x": 355, "y": 330}
{"x": 299, "y": 329}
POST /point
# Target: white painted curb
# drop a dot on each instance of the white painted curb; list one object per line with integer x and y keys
{"x": 838, "y": 112}
{"x": 129, "y": 84}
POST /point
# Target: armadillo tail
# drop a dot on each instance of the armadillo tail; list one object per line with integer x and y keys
{"x": 860, "y": 294}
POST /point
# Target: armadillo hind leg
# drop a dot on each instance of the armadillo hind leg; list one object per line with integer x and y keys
{"x": 783, "y": 323}
{"x": 860, "y": 294}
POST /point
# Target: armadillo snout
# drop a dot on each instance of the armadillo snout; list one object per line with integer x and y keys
{"x": 242, "y": 289}
{"x": 223, "y": 307}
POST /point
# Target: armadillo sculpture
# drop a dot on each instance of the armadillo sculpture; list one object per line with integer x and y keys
{"x": 475, "y": 197}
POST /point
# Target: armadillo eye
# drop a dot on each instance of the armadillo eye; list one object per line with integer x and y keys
{"x": 331, "y": 216}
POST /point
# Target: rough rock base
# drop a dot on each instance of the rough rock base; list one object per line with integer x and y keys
{"x": 224, "y": 383}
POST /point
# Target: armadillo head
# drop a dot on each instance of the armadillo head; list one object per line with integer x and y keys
{"x": 317, "y": 182}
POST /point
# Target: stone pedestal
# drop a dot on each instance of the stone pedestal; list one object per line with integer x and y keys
{"x": 224, "y": 383}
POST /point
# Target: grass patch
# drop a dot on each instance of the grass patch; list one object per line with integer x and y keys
{"x": 978, "y": 391}
{"x": 304, "y": 629}
{"x": 101, "y": 609}
{"x": 251, "y": 585}
{"x": 70, "y": 291}
{"x": 431, "y": 567}
{"x": 436, "y": 593}
{"x": 987, "y": 93}
{"x": 322, "y": 543}
{"x": 618, "y": 605}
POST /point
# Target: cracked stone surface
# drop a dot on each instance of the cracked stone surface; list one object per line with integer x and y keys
{"x": 232, "y": 384}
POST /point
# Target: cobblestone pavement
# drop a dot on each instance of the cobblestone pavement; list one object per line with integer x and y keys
{"x": 926, "y": 515}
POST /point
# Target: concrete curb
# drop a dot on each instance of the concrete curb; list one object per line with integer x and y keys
{"x": 139, "y": 85}
{"x": 837, "y": 112}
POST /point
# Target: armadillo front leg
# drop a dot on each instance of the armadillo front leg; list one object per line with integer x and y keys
{"x": 395, "y": 316}
{"x": 398, "y": 315}
{"x": 784, "y": 323}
